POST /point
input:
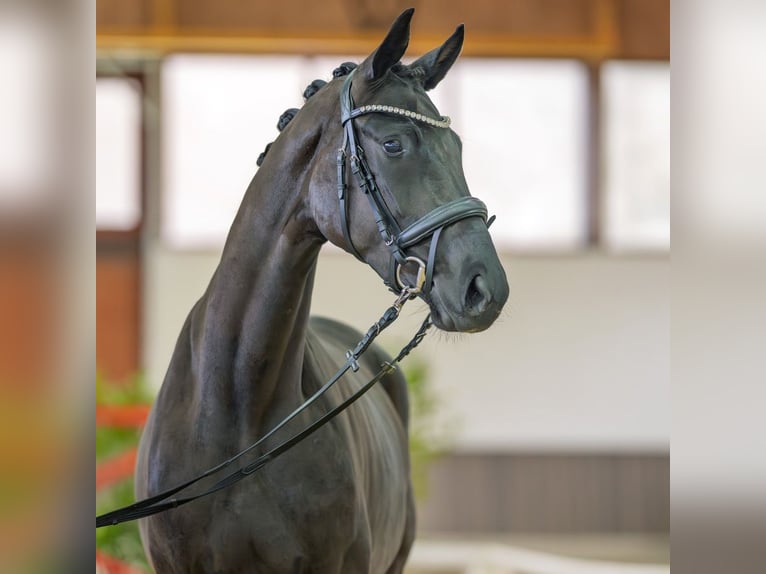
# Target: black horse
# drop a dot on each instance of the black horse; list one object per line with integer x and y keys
{"x": 384, "y": 181}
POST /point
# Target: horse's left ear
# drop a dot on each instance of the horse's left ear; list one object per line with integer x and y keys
{"x": 438, "y": 61}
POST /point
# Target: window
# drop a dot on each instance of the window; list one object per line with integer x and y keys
{"x": 523, "y": 125}
{"x": 27, "y": 111}
{"x": 635, "y": 158}
{"x": 218, "y": 114}
{"x": 118, "y": 153}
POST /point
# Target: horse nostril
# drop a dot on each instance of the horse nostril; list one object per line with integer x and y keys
{"x": 477, "y": 296}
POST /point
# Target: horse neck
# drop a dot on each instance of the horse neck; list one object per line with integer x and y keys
{"x": 249, "y": 333}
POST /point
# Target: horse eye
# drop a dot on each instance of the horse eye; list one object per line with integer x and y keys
{"x": 392, "y": 146}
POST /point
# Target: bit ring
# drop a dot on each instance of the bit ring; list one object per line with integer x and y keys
{"x": 420, "y": 277}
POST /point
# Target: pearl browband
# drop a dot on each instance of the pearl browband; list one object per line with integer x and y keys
{"x": 442, "y": 122}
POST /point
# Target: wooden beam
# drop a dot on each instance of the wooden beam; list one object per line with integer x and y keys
{"x": 163, "y": 15}
{"x": 490, "y": 46}
{"x": 586, "y": 29}
{"x": 605, "y": 24}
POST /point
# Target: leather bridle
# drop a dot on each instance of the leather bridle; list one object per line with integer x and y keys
{"x": 396, "y": 239}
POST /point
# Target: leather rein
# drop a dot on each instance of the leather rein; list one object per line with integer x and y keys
{"x": 397, "y": 240}
{"x": 166, "y": 500}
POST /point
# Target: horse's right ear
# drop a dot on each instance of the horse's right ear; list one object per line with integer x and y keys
{"x": 391, "y": 49}
{"x": 436, "y": 63}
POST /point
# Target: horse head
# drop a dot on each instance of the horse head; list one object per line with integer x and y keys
{"x": 402, "y": 203}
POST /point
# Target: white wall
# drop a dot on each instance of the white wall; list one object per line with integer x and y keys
{"x": 578, "y": 361}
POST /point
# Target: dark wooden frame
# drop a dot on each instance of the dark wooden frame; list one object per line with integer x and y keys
{"x": 123, "y": 247}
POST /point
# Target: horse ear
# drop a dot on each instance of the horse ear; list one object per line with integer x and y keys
{"x": 438, "y": 61}
{"x": 392, "y": 48}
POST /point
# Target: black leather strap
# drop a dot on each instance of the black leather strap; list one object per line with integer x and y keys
{"x": 431, "y": 262}
{"x": 441, "y": 217}
{"x": 343, "y": 200}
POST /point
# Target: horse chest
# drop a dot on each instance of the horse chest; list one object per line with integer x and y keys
{"x": 336, "y": 502}
{"x": 339, "y": 496}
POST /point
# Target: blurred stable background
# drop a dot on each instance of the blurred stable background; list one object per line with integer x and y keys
{"x": 551, "y": 430}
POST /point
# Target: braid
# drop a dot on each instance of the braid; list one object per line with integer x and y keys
{"x": 261, "y": 157}
{"x": 343, "y": 70}
{"x": 313, "y": 88}
{"x": 286, "y": 117}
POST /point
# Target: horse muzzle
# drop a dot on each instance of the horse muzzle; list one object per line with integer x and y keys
{"x": 472, "y": 303}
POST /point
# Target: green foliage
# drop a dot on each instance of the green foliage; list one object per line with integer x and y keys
{"x": 133, "y": 392}
{"x": 121, "y": 541}
{"x": 426, "y": 442}
{"x": 113, "y": 441}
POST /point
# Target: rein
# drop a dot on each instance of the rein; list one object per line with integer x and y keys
{"x": 163, "y": 501}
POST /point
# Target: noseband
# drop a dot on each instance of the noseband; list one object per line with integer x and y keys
{"x": 397, "y": 240}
